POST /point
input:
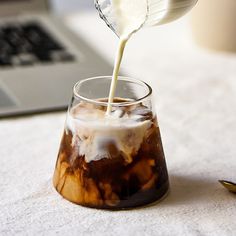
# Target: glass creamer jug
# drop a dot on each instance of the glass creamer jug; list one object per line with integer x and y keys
{"x": 155, "y": 12}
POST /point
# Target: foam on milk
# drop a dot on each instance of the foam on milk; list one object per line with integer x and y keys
{"x": 92, "y": 130}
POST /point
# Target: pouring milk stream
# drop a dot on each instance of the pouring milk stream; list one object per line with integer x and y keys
{"x": 125, "y": 17}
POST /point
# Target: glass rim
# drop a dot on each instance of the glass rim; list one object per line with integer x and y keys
{"x": 117, "y": 104}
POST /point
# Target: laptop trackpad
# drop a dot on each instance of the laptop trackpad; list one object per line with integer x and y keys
{"x": 5, "y": 99}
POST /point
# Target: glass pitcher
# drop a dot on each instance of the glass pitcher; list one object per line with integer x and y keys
{"x": 157, "y": 11}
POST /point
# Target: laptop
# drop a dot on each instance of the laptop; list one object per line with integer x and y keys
{"x": 40, "y": 59}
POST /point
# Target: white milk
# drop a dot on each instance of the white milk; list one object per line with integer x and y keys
{"x": 130, "y": 16}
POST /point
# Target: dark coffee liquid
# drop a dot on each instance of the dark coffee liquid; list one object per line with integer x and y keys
{"x": 111, "y": 182}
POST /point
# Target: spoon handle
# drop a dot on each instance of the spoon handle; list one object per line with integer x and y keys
{"x": 229, "y": 185}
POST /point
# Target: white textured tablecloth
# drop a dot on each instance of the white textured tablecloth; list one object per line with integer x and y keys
{"x": 196, "y": 106}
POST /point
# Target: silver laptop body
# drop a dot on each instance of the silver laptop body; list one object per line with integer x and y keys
{"x": 39, "y": 79}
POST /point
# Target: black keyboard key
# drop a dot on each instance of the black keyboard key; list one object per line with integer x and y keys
{"x": 1, "y": 33}
{"x": 25, "y": 47}
{"x": 5, "y": 60}
{"x": 33, "y": 26}
{"x": 34, "y": 37}
{"x": 5, "y": 47}
{"x": 40, "y": 38}
{"x": 20, "y": 45}
{"x": 51, "y": 45}
{"x": 12, "y": 29}
{"x": 43, "y": 56}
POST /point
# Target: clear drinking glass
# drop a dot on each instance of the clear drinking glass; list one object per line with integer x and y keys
{"x": 111, "y": 161}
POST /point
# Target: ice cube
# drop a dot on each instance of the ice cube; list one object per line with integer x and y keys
{"x": 119, "y": 113}
{"x": 141, "y": 111}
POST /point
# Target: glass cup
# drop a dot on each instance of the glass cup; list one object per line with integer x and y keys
{"x": 113, "y": 161}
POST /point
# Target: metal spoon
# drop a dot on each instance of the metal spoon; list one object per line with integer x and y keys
{"x": 229, "y": 185}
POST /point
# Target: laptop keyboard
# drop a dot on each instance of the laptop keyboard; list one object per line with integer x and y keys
{"x": 28, "y": 44}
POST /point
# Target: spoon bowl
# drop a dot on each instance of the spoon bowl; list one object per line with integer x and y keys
{"x": 229, "y": 185}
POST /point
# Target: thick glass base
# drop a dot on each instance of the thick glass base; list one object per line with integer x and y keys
{"x": 140, "y": 199}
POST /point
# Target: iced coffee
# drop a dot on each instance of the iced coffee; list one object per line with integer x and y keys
{"x": 111, "y": 161}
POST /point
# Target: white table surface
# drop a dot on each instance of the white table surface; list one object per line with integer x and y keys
{"x": 196, "y": 105}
